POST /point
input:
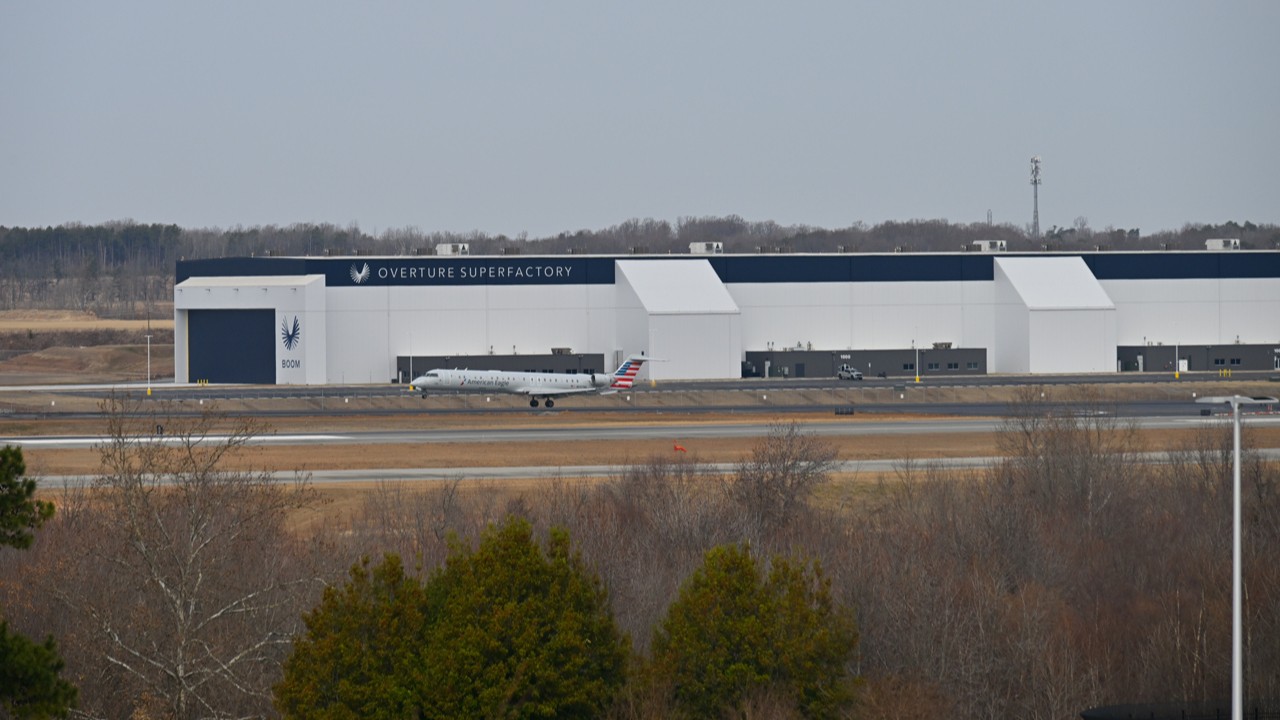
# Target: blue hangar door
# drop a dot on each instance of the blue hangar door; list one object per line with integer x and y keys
{"x": 231, "y": 346}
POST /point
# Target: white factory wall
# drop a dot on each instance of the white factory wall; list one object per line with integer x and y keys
{"x": 876, "y": 315}
{"x": 978, "y": 317}
{"x": 377, "y": 324}
{"x": 717, "y": 338}
{"x": 787, "y": 314}
{"x": 440, "y": 321}
{"x": 1071, "y": 341}
{"x": 359, "y": 324}
{"x": 534, "y": 319}
{"x": 1249, "y": 311}
{"x": 892, "y": 315}
{"x": 1011, "y": 346}
{"x": 1199, "y": 312}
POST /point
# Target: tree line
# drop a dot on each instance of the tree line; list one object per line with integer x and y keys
{"x": 126, "y": 269}
{"x": 1071, "y": 574}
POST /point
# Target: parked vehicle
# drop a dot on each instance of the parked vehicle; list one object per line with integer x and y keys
{"x": 848, "y": 373}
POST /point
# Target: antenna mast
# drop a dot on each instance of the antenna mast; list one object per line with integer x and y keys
{"x": 1035, "y": 195}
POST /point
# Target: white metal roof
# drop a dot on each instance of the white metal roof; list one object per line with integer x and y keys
{"x": 1054, "y": 283}
{"x": 677, "y": 286}
{"x": 216, "y": 281}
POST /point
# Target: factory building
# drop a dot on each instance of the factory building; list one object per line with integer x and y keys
{"x": 365, "y": 319}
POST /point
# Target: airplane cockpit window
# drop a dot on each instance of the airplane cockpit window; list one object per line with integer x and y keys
{"x": 433, "y": 374}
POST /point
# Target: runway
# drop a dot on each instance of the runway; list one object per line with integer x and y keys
{"x": 658, "y": 431}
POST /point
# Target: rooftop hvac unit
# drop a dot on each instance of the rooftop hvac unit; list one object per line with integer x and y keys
{"x": 1222, "y": 244}
{"x": 453, "y": 249}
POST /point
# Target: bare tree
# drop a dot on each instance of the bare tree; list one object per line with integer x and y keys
{"x": 1074, "y": 454}
{"x": 414, "y": 523}
{"x": 190, "y": 586}
{"x": 774, "y": 484}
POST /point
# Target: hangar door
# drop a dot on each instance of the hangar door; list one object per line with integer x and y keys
{"x": 231, "y": 346}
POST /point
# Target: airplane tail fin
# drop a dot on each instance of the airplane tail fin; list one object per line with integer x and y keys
{"x": 625, "y": 376}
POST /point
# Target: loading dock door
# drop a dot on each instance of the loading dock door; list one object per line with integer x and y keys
{"x": 231, "y": 346}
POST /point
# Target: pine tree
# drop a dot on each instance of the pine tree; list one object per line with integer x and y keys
{"x": 29, "y": 682}
{"x": 734, "y": 632}
{"x": 361, "y": 654}
{"x": 502, "y": 631}
{"x": 522, "y": 634}
{"x": 20, "y": 513}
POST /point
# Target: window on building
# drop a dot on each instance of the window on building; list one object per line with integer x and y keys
{"x": 1236, "y": 361}
{"x": 953, "y": 366}
{"x": 1219, "y": 361}
{"x": 909, "y": 366}
{"x": 933, "y": 366}
{"x": 973, "y": 366}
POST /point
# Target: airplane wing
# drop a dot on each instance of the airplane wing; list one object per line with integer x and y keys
{"x": 544, "y": 392}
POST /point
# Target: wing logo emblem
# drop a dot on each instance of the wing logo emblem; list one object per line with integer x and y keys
{"x": 359, "y": 275}
{"x": 290, "y": 335}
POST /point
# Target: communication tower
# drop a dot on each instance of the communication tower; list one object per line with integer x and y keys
{"x": 1035, "y": 197}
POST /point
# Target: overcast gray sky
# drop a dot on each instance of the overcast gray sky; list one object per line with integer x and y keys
{"x": 542, "y": 117}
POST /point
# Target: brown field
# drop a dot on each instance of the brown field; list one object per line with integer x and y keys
{"x": 67, "y": 363}
{"x": 44, "y": 320}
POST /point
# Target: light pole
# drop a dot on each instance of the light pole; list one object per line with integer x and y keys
{"x": 917, "y": 365}
{"x": 148, "y": 366}
{"x": 1237, "y": 654}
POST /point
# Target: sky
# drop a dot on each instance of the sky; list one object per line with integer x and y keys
{"x": 546, "y": 117}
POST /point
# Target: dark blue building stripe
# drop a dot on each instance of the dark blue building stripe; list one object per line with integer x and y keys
{"x": 732, "y": 269}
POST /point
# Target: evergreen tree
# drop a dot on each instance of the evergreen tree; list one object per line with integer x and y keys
{"x": 521, "y": 634}
{"x": 29, "y": 682}
{"x": 502, "y": 631}
{"x": 734, "y": 631}
{"x": 20, "y": 513}
{"x": 361, "y": 654}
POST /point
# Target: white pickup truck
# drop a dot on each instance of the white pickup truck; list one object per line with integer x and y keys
{"x": 848, "y": 373}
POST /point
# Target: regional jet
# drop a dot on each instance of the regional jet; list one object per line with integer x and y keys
{"x": 537, "y": 386}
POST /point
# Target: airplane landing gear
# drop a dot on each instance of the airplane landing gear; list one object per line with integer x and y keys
{"x": 550, "y": 403}
{"x": 533, "y": 402}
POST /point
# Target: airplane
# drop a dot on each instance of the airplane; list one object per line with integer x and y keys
{"x": 538, "y": 386}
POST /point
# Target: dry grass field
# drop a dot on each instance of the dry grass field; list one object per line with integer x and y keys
{"x": 79, "y": 357}
{"x": 63, "y": 320}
